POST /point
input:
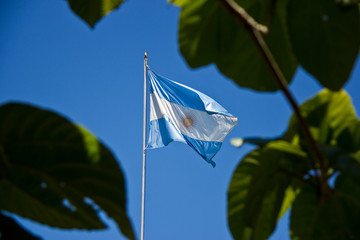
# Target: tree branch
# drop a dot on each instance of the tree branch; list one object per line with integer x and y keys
{"x": 253, "y": 29}
{"x": 244, "y": 17}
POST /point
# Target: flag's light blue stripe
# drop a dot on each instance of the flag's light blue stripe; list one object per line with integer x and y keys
{"x": 162, "y": 132}
{"x": 183, "y": 95}
{"x": 207, "y": 150}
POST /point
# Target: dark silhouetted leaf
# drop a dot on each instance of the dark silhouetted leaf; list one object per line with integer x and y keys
{"x": 349, "y": 138}
{"x": 50, "y": 168}
{"x": 325, "y": 37}
{"x": 209, "y": 34}
{"x": 331, "y": 219}
{"x": 11, "y": 230}
{"x": 91, "y": 11}
{"x": 348, "y": 163}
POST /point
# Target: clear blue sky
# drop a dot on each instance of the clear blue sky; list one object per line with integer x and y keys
{"x": 50, "y": 58}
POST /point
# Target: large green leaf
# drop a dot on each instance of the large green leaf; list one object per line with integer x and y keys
{"x": 325, "y": 37}
{"x": 279, "y": 162}
{"x": 328, "y": 115}
{"x": 10, "y": 230}
{"x": 331, "y": 219}
{"x": 334, "y": 126}
{"x": 51, "y": 170}
{"x": 209, "y": 34}
{"x": 262, "y": 189}
{"x": 91, "y": 11}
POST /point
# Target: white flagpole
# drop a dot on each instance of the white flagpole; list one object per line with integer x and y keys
{"x": 144, "y": 155}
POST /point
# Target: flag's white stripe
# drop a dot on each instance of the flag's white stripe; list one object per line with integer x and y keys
{"x": 190, "y": 122}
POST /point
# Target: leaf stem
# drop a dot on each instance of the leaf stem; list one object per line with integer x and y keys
{"x": 238, "y": 13}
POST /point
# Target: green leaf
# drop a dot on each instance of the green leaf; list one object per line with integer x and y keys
{"x": 334, "y": 125}
{"x": 280, "y": 163}
{"x": 50, "y": 168}
{"x": 10, "y": 230}
{"x": 285, "y": 147}
{"x": 328, "y": 115}
{"x": 262, "y": 189}
{"x": 325, "y": 38}
{"x": 94, "y": 10}
{"x": 333, "y": 218}
{"x": 258, "y": 198}
{"x": 209, "y": 34}
{"x": 237, "y": 194}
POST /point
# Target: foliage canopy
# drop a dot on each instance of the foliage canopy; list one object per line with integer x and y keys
{"x": 50, "y": 167}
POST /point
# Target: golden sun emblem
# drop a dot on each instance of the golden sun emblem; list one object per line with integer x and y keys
{"x": 187, "y": 121}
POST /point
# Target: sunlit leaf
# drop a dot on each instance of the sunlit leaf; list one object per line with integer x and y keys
{"x": 179, "y": 3}
{"x": 325, "y": 37}
{"x": 290, "y": 195}
{"x": 91, "y": 11}
{"x": 328, "y": 115}
{"x": 50, "y": 168}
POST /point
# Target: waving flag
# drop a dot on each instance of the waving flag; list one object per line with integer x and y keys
{"x": 180, "y": 113}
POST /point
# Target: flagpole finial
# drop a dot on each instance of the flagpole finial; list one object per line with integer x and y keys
{"x": 145, "y": 59}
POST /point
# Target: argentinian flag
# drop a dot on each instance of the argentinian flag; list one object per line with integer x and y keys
{"x": 180, "y": 113}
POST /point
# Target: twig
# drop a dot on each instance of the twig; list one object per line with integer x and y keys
{"x": 255, "y": 33}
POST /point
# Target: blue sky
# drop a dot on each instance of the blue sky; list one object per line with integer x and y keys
{"x": 50, "y": 58}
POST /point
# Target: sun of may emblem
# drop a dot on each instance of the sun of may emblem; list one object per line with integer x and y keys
{"x": 188, "y": 121}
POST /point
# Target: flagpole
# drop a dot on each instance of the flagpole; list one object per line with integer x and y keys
{"x": 144, "y": 155}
